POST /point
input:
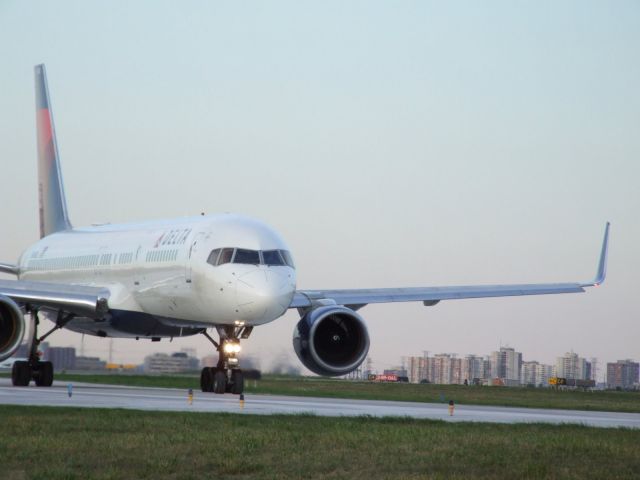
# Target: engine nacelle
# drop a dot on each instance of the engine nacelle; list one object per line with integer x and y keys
{"x": 331, "y": 340}
{"x": 12, "y": 327}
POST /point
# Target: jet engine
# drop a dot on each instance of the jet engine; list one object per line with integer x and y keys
{"x": 331, "y": 340}
{"x": 12, "y": 327}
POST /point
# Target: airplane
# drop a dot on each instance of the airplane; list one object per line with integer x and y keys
{"x": 185, "y": 276}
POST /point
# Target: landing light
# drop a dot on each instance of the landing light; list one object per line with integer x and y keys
{"x": 232, "y": 347}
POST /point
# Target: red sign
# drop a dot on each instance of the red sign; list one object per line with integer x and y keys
{"x": 384, "y": 378}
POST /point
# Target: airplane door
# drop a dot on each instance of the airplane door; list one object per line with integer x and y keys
{"x": 192, "y": 251}
{"x": 137, "y": 269}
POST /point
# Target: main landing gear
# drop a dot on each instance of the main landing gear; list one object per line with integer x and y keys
{"x": 225, "y": 377}
{"x": 33, "y": 369}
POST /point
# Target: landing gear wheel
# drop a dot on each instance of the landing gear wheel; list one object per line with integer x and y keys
{"x": 43, "y": 374}
{"x": 237, "y": 382}
{"x": 20, "y": 374}
{"x": 219, "y": 381}
{"x": 206, "y": 380}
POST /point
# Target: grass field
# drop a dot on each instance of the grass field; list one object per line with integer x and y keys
{"x": 54, "y": 443}
{"x": 323, "y": 387}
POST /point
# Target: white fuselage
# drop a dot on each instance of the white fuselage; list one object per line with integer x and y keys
{"x": 161, "y": 269}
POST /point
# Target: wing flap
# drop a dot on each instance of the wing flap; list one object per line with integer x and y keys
{"x": 86, "y": 301}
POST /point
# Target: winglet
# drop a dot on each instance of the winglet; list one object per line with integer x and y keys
{"x": 602, "y": 264}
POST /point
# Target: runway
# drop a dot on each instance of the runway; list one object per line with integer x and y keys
{"x": 164, "y": 399}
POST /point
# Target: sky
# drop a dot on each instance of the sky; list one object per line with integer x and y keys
{"x": 392, "y": 144}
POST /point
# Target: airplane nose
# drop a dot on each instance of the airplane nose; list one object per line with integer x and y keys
{"x": 264, "y": 295}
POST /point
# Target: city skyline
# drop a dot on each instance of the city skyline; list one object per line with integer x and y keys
{"x": 505, "y": 367}
{"x": 508, "y": 367}
{"x": 433, "y": 144}
{"x": 281, "y": 362}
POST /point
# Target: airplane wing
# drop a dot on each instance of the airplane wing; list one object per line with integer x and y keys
{"x": 9, "y": 268}
{"x": 358, "y": 298}
{"x": 81, "y": 300}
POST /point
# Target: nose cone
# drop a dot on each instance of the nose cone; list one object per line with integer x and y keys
{"x": 264, "y": 294}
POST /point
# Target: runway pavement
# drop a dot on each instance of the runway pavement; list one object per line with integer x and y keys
{"x": 164, "y": 399}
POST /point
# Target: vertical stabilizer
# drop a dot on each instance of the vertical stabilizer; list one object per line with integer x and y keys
{"x": 53, "y": 206}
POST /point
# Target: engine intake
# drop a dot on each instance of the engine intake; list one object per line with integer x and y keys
{"x": 12, "y": 327}
{"x": 331, "y": 340}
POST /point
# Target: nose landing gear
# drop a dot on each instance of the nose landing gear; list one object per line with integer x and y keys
{"x": 225, "y": 377}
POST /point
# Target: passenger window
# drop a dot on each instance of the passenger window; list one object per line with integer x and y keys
{"x": 251, "y": 257}
{"x": 272, "y": 257}
{"x": 287, "y": 258}
{"x": 226, "y": 254}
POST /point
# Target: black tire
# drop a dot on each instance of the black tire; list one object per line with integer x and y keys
{"x": 45, "y": 377}
{"x": 15, "y": 374}
{"x": 237, "y": 382}
{"x": 219, "y": 381}
{"x": 36, "y": 373}
{"x": 25, "y": 373}
{"x": 206, "y": 380}
{"x": 21, "y": 374}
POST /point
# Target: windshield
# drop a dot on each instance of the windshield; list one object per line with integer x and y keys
{"x": 275, "y": 258}
{"x": 251, "y": 257}
{"x": 272, "y": 257}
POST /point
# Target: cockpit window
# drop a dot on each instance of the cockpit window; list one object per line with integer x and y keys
{"x": 220, "y": 256}
{"x": 213, "y": 257}
{"x": 251, "y": 257}
{"x": 226, "y": 254}
{"x": 272, "y": 257}
{"x": 287, "y": 258}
